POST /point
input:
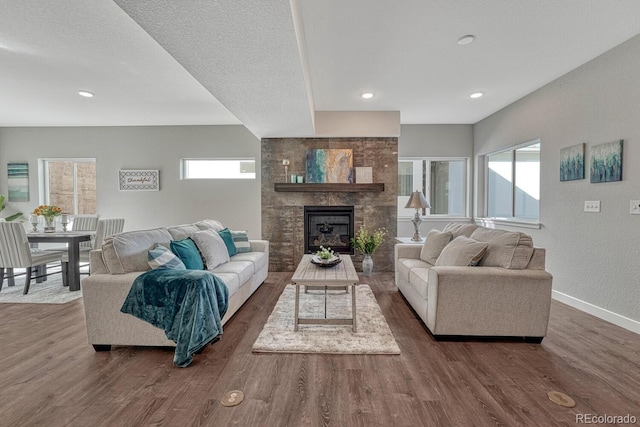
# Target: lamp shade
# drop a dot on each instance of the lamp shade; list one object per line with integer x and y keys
{"x": 417, "y": 201}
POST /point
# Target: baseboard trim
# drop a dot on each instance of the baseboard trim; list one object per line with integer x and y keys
{"x": 601, "y": 313}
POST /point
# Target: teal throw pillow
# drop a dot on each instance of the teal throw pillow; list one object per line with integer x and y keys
{"x": 162, "y": 257}
{"x": 188, "y": 253}
{"x": 241, "y": 240}
{"x": 228, "y": 241}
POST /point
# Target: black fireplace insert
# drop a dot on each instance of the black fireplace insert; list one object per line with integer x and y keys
{"x": 330, "y": 227}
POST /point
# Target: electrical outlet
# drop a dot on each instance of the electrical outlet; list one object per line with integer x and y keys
{"x": 635, "y": 207}
{"x": 592, "y": 206}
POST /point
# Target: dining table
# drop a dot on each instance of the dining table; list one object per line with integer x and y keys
{"x": 73, "y": 240}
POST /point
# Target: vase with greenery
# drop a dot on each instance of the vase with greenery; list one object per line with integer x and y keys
{"x": 367, "y": 242}
{"x": 13, "y": 217}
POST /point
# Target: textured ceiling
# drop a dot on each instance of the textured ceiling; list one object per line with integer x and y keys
{"x": 271, "y": 65}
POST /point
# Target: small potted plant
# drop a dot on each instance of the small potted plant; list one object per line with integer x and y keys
{"x": 367, "y": 242}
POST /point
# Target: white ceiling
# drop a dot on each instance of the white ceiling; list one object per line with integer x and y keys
{"x": 271, "y": 64}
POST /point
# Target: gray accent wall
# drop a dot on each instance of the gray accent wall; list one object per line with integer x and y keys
{"x": 236, "y": 203}
{"x": 594, "y": 257}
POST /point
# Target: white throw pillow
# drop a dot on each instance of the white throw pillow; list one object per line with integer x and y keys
{"x": 211, "y": 246}
{"x": 434, "y": 244}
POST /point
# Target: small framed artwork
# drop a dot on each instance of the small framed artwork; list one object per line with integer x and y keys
{"x": 18, "y": 181}
{"x": 606, "y": 162}
{"x": 572, "y": 163}
{"x": 139, "y": 180}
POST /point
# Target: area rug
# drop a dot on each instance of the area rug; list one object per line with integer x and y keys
{"x": 49, "y": 292}
{"x": 373, "y": 336}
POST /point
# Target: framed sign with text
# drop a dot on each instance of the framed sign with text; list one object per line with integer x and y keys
{"x": 139, "y": 180}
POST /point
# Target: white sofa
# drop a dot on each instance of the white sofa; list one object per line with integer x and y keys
{"x": 123, "y": 257}
{"x": 508, "y": 294}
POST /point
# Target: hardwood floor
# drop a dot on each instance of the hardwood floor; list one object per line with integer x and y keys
{"x": 50, "y": 376}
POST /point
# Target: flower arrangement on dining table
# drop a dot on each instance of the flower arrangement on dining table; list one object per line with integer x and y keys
{"x": 47, "y": 211}
{"x": 366, "y": 241}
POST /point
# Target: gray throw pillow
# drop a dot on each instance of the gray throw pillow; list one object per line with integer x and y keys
{"x": 433, "y": 245}
{"x": 462, "y": 251}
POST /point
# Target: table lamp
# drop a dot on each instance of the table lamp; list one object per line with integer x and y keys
{"x": 417, "y": 201}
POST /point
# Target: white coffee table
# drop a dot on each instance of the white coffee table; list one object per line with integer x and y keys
{"x": 338, "y": 276}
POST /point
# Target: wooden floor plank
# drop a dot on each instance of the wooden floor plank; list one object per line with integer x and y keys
{"x": 49, "y": 375}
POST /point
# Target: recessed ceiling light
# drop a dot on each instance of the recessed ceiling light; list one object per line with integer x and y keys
{"x": 476, "y": 95}
{"x": 464, "y": 40}
{"x": 367, "y": 95}
{"x": 85, "y": 94}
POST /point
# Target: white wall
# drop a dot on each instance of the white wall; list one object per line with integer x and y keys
{"x": 594, "y": 257}
{"x": 433, "y": 141}
{"x": 236, "y": 203}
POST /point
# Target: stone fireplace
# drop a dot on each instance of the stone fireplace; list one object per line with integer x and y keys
{"x": 330, "y": 227}
{"x": 283, "y": 210}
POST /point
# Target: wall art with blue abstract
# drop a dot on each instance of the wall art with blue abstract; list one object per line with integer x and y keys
{"x": 572, "y": 163}
{"x": 606, "y": 162}
{"x": 329, "y": 165}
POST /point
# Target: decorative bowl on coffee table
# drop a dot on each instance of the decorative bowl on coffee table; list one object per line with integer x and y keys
{"x": 325, "y": 263}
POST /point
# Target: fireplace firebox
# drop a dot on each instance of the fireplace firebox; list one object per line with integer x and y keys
{"x": 328, "y": 226}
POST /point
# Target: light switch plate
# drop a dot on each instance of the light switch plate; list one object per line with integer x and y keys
{"x": 634, "y": 209}
{"x": 592, "y": 206}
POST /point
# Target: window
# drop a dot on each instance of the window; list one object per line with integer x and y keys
{"x": 443, "y": 182}
{"x": 70, "y": 184}
{"x": 218, "y": 169}
{"x": 513, "y": 183}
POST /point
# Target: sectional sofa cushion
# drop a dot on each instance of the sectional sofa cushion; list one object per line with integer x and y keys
{"x": 507, "y": 249}
{"x": 162, "y": 257}
{"x": 180, "y": 232}
{"x": 462, "y": 251}
{"x": 127, "y": 252}
{"x": 433, "y": 245}
{"x": 214, "y": 251}
{"x": 225, "y": 233}
{"x": 188, "y": 253}
{"x": 209, "y": 224}
{"x": 457, "y": 229}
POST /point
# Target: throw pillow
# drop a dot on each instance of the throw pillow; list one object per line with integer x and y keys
{"x": 162, "y": 257}
{"x": 462, "y": 251}
{"x": 433, "y": 245}
{"x": 507, "y": 249}
{"x": 460, "y": 229}
{"x": 225, "y": 233}
{"x": 212, "y": 247}
{"x": 188, "y": 253}
{"x": 241, "y": 240}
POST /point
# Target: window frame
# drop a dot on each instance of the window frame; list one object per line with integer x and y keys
{"x": 43, "y": 180}
{"x": 184, "y": 160}
{"x": 466, "y": 179}
{"x": 513, "y": 219}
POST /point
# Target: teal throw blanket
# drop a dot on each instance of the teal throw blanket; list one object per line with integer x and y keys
{"x": 188, "y": 304}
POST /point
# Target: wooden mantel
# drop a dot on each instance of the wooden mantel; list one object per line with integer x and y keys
{"x": 340, "y": 188}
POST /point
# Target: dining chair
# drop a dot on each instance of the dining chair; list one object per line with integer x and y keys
{"x": 85, "y": 223}
{"x": 105, "y": 228}
{"x": 15, "y": 252}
